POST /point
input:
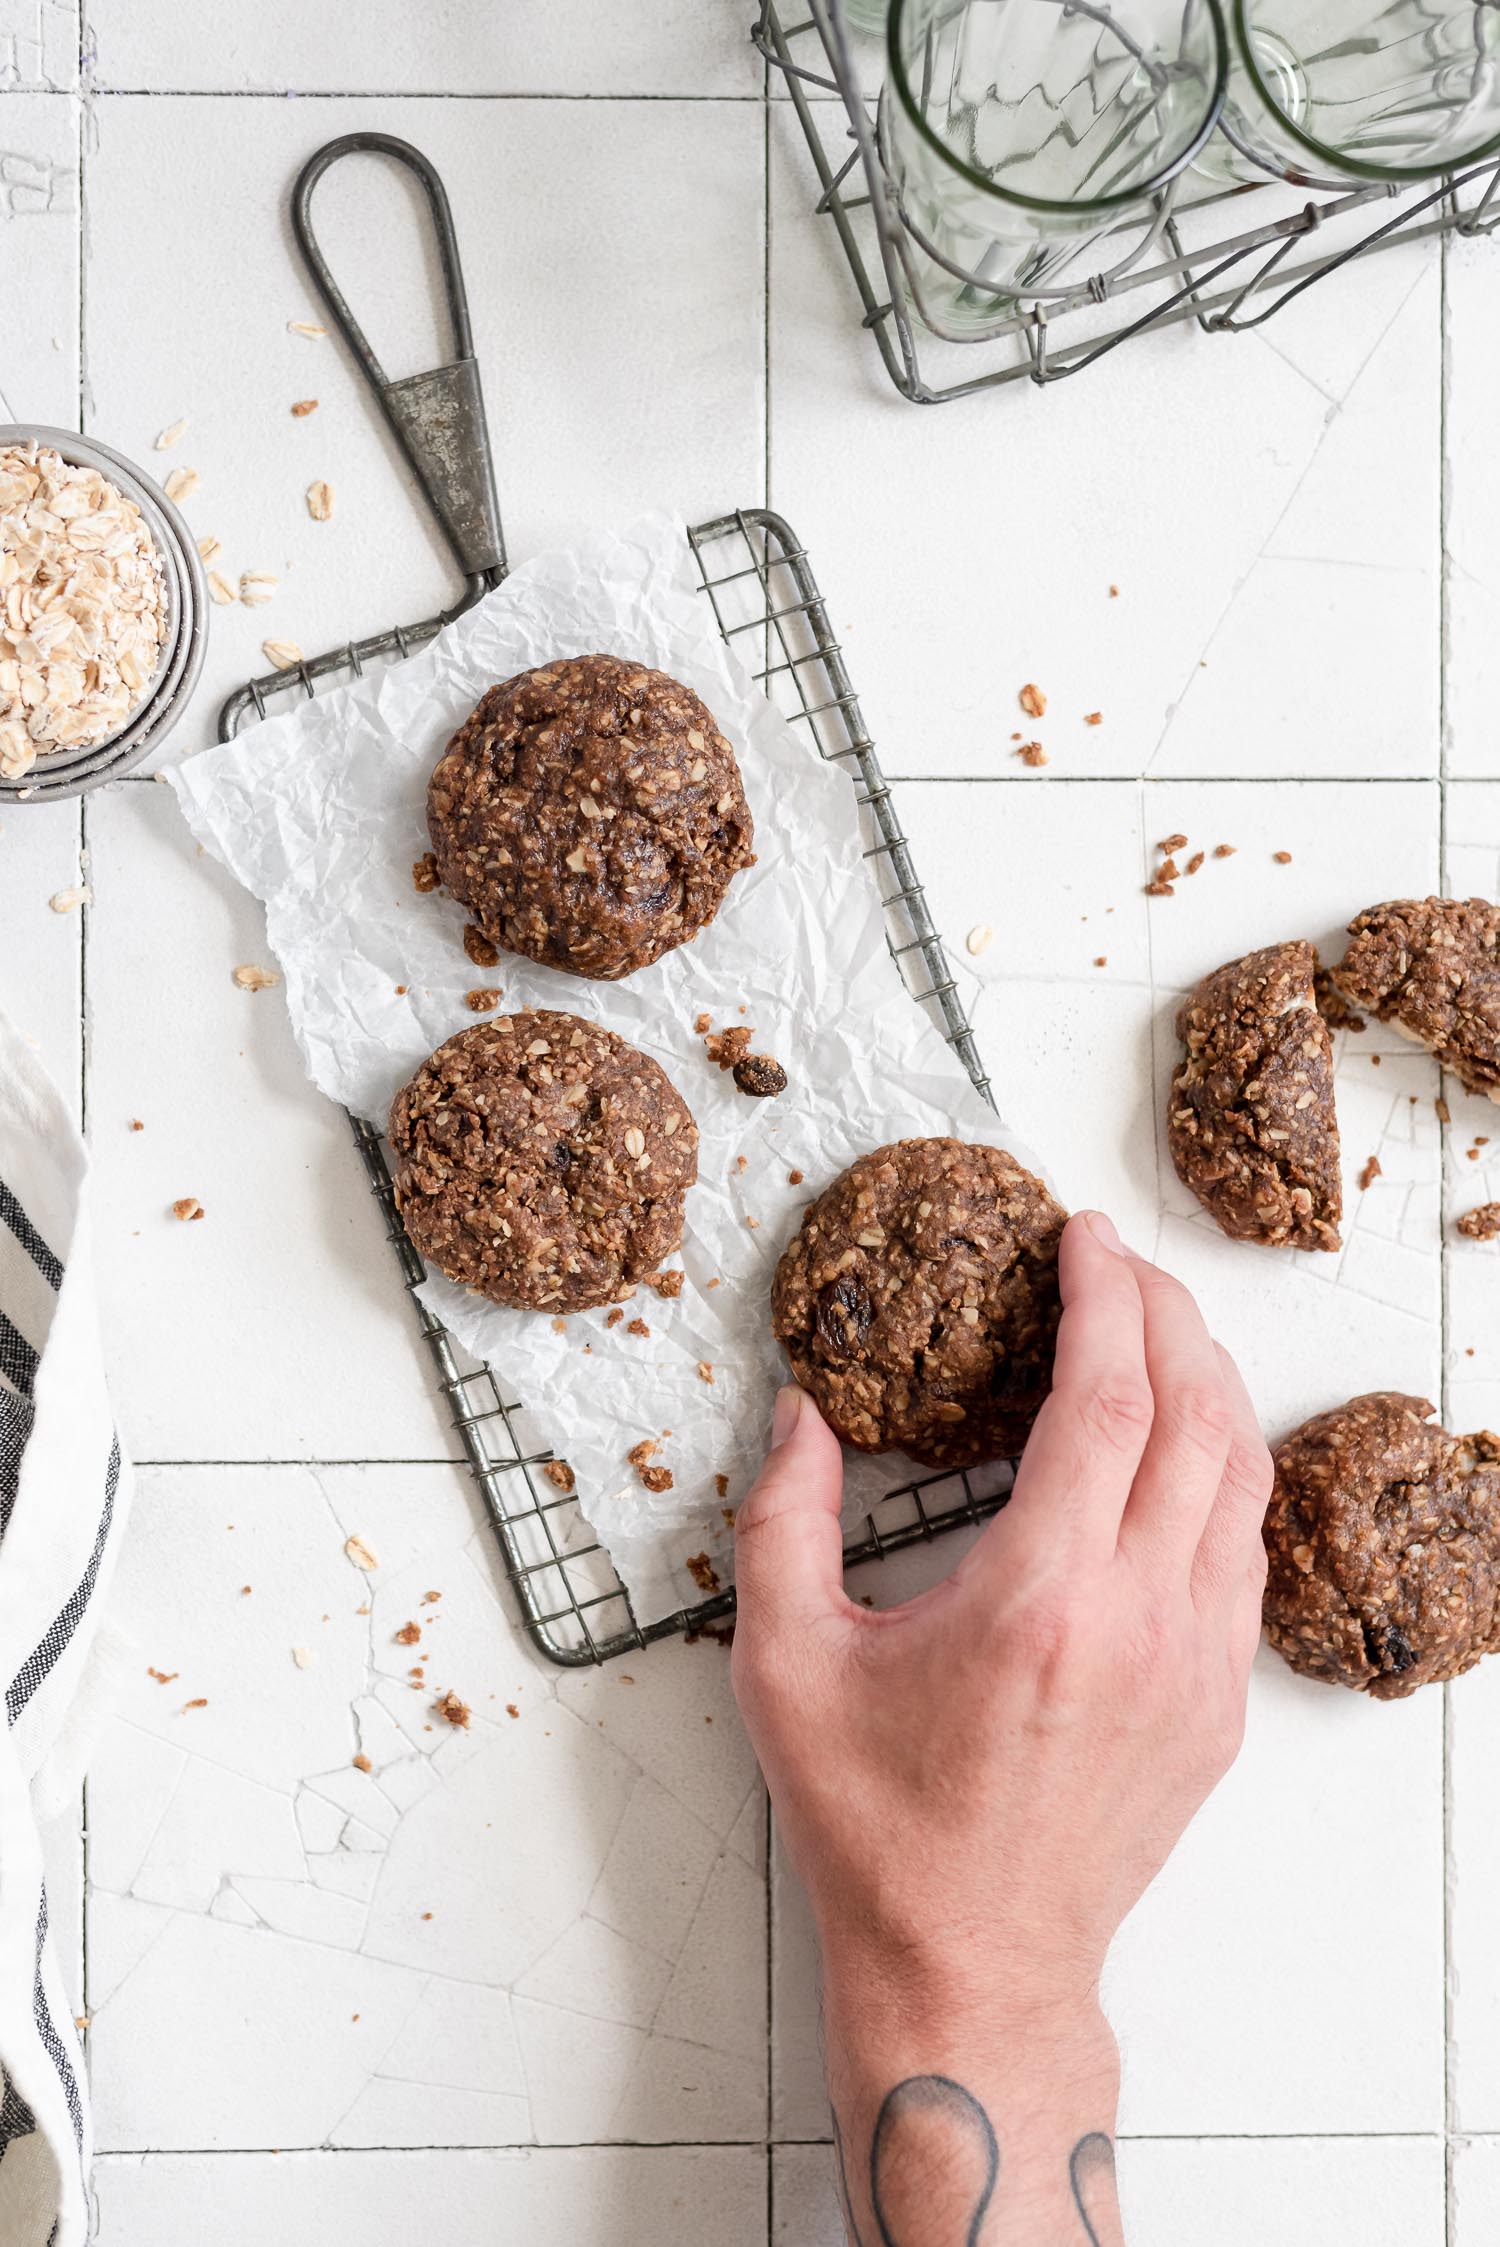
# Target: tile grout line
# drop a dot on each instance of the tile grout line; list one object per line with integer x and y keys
{"x": 82, "y": 127}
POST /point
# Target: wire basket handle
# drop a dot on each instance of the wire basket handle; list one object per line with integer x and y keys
{"x": 438, "y": 416}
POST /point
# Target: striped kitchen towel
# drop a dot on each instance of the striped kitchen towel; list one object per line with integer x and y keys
{"x": 63, "y": 1498}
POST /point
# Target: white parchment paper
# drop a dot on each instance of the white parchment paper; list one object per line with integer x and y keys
{"x": 321, "y": 813}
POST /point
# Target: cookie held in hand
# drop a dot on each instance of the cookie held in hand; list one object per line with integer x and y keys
{"x": 590, "y": 815}
{"x": 1431, "y": 966}
{"x": 1250, "y": 1115}
{"x": 1383, "y": 1537}
{"x": 919, "y": 1302}
{"x": 542, "y": 1161}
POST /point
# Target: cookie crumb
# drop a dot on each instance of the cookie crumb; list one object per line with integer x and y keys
{"x": 668, "y": 1285}
{"x": 1169, "y": 843}
{"x": 1032, "y": 753}
{"x": 703, "y": 1573}
{"x": 511, "y": 1709}
{"x": 794, "y": 1177}
{"x": 638, "y": 1326}
{"x": 759, "y": 1076}
{"x": 706, "y": 1371}
{"x": 136, "y": 1124}
{"x": 479, "y": 948}
{"x": 200, "y": 1703}
{"x": 1103, "y": 960}
{"x": 728, "y": 1047}
{"x": 1282, "y": 857}
{"x": 1332, "y": 1005}
{"x": 1033, "y": 701}
{"x": 483, "y": 1001}
{"x": 1481, "y": 1224}
{"x": 303, "y": 407}
{"x": 457, "y": 1713}
{"x": 1369, "y": 1174}
{"x": 163, "y": 1677}
{"x": 721, "y": 1484}
{"x": 702, "y": 1024}
{"x": 560, "y": 1475}
{"x": 1159, "y": 888}
{"x": 187, "y": 1209}
{"x": 1441, "y": 1110}
{"x": 1093, "y": 718}
{"x": 408, "y": 1634}
{"x": 256, "y": 978}
{"x": 1194, "y": 863}
{"x": 613, "y": 1318}
{"x": 1224, "y": 850}
{"x": 424, "y": 873}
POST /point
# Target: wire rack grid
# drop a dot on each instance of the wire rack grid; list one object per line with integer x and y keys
{"x": 757, "y": 578}
{"x": 1181, "y": 269}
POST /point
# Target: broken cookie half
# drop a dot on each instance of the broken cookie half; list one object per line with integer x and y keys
{"x": 1431, "y": 966}
{"x": 1383, "y": 1543}
{"x": 1250, "y": 1118}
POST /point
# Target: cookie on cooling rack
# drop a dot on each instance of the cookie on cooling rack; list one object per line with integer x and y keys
{"x": 542, "y": 1161}
{"x": 919, "y": 1303}
{"x": 590, "y": 815}
{"x": 1431, "y": 966}
{"x": 1250, "y": 1116}
{"x": 1383, "y": 1537}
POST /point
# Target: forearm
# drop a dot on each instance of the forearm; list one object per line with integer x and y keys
{"x": 963, "y": 2116}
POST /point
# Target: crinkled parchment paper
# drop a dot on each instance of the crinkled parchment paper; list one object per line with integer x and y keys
{"x": 322, "y": 812}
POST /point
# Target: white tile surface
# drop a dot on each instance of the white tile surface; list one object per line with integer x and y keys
{"x": 1473, "y": 512}
{"x": 1476, "y": 2192}
{"x": 1236, "y": 2192}
{"x": 38, "y": 44}
{"x": 543, "y": 1927}
{"x": 38, "y": 244}
{"x": 40, "y": 950}
{"x": 695, "y": 47}
{"x": 667, "y": 267}
{"x": 593, "y": 2197}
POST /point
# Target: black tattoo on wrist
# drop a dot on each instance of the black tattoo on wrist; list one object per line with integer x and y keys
{"x": 896, "y": 2145}
{"x": 1091, "y": 2172}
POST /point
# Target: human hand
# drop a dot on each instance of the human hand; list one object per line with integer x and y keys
{"x": 975, "y": 1788}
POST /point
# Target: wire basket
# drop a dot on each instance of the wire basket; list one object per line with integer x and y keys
{"x": 758, "y": 579}
{"x": 1192, "y": 272}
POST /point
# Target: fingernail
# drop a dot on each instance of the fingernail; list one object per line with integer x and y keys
{"x": 788, "y": 1411}
{"x": 1103, "y": 1231}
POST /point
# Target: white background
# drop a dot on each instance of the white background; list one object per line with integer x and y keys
{"x": 605, "y": 2030}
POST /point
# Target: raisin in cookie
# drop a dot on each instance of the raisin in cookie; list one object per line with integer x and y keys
{"x": 542, "y": 1161}
{"x": 1384, "y": 1542}
{"x": 1431, "y": 965}
{"x": 1250, "y": 1116}
{"x": 590, "y": 815}
{"x": 919, "y": 1304}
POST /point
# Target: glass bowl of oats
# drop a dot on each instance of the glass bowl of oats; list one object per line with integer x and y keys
{"x": 102, "y": 614}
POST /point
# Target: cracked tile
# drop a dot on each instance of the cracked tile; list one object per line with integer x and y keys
{"x": 39, "y": 349}
{"x": 627, "y": 2196}
{"x": 38, "y": 47}
{"x": 1472, "y": 527}
{"x": 421, "y": 2114}
{"x": 565, "y": 47}
{"x": 594, "y": 1966}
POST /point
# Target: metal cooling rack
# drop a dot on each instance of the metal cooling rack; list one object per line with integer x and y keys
{"x": 1222, "y": 283}
{"x": 757, "y": 578}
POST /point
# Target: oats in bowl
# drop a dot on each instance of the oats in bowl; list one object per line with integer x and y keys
{"x": 83, "y": 606}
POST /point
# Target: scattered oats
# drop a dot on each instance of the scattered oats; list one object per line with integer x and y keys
{"x": 1223, "y": 850}
{"x": 1194, "y": 863}
{"x": 705, "y": 1371}
{"x": 359, "y": 1552}
{"x": 1442, "y": 1110}
{"x": 170, "y": 435}
{"x": 1159, "y": 888}
{"x": 200, "y": 1703}
{"x": 320, "y": 500}
{"x": 256, "y": 978}
{"x": 1169, "y": 843}
{"x": 65, "y": 900}
{"x": 1033, "y": 701}
{"x": 220, "y": 590}
{"x": 305, "y": 406}
{"x": 753, "y": 1223}
{"x": 181, "y": 484}
{"x": 312, "y": 329}
{"x": 980, "y": 938}
{"x": 635, "y": 1141}
{"x": 284, "y": 655}
{"x": 209, "y": 548}
{"x": 187, "y": 1209}
{"x": 303, "y": 1657}
{"x": 256, "y": 587}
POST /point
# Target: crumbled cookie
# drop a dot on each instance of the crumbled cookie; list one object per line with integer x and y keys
{"x": 483, "y": 1002}
{"x": 1383, "y": 1536}
{"x": 590, "y": 815}
{"x": 1250, "y": 1115}
{"x": 542, "y": 1161}
{"x": 424, "y": 873}
{"x": 479, "y": 948}
{"x": 760, "y": 1076}
{"x": 1431, "y": 966}
{"x": 667, "y": 1285}
{"x": 456, "y": 1711}
{"x": 560, "y": 1475}
{"x": 918, "y": 1302}
{"x": 1481, "y": 1224}
{"x": 728, "y": 1047}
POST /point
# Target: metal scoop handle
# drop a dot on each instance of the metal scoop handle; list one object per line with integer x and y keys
{"x": 438, "y": 416}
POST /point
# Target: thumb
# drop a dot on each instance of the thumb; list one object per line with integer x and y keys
{"x": 788, "y": 1546}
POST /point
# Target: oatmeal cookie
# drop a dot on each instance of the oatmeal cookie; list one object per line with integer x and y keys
{"x": 542, "y": 1161}
{"x": 1431, "y": 965}
{"x": 918, "y": 1303}
{"x": 590, "y": 815}
{"x": 1250, "y": 1116}
{"x": 1383, "y": 1537}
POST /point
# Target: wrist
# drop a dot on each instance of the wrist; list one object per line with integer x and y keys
{"x": 961, "y": 1988}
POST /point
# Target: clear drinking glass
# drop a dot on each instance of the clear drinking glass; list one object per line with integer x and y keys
{"x": 1328, "y": 92}
{"x": 1017, "y": 132}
